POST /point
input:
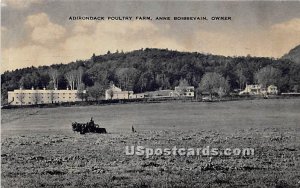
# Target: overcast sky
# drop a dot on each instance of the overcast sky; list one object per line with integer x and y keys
{"x": 39, "y": 32}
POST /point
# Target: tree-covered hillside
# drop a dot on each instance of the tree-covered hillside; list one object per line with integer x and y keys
{"x": 293, "y": 55}
{"x": 152, "y": 69}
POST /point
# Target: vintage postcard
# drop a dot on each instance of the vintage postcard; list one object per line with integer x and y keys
{"x": 150, "y": 93}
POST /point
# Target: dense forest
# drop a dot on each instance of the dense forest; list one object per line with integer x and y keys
{"x": 152, "y": 69}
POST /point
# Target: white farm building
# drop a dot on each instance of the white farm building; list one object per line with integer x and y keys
{"x": 259, "y": 90}
{"x": 115, "y": 92}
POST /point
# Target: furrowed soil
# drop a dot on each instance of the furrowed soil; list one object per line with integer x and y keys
{"x": 39, "y": 148}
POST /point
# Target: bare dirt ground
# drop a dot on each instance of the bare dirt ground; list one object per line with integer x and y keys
{"x": 39, "y": 148}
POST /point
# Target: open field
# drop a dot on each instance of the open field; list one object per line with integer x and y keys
{"x": 39, "y": 148}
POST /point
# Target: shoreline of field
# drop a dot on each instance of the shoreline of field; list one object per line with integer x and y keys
{"x": 149, "y": 101}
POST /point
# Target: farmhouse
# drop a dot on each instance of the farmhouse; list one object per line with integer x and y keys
{"x": 184, "y": 91}
{"x": 41, "y": 96}
{"x": 259, "y": 90}
{"x": 272, "y": 90}
{"x": 115, "y": 92}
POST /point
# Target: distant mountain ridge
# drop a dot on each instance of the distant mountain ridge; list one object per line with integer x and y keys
{"x": 293, "y": 55}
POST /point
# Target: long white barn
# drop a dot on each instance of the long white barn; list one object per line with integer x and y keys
{"x": 41, "y": 96}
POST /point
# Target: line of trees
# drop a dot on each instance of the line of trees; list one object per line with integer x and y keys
{"x": 213, "y": 82}
{"x": 152, "y": 69}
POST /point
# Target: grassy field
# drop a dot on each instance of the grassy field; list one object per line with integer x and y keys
{"x": 39, "y": 149}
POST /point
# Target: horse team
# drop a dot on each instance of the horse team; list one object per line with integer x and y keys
{"x": 89, "y": 127}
